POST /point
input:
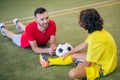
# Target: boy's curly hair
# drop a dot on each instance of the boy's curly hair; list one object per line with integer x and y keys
{"x": 91, "y": 20}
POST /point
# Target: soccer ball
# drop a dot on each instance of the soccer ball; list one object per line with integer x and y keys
{"x": 63, "y": 48}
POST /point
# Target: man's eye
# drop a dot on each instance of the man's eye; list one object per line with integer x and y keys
{"x": 42, "y": 19}
{"x": 47, "y": 17}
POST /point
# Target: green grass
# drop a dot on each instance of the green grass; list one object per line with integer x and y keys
{"x": 22, "y": 64}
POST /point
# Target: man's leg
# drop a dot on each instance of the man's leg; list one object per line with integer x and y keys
{"x": 6, "y": 32}
{"x": 22, "y": 26}
{"x": 16, "y": 38}
{"x": 19, "y": 26}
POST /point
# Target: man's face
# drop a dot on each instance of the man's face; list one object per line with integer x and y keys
{"x": 42, "y": 20}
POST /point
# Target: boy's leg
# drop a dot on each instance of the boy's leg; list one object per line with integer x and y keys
{"x": 43, "y": 60}
{"x": 67, "y": 60}
{"x": 54, "y": 61}
{"x": 78, "y": 72}
{"x": 60, "y": 61}
{"x": 79, "y": 56}
{"x": 85, "y": 72}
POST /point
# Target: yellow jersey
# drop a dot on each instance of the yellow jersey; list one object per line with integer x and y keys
{"x": 102, "y": 50}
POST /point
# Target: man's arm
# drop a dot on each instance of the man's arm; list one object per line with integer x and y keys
{"x": 37, "y": 49}
{"x": 53, "y": 42}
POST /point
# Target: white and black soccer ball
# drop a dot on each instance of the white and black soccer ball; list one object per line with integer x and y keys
{"x": 63, "y": 48}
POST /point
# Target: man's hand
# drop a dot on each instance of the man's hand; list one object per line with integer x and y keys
{"x": 52, "y": 50}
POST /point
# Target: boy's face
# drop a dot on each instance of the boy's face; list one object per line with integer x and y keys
{"x": 42, "y": 20}
{"x": 82, "y": 25}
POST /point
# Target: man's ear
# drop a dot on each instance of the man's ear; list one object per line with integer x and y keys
{"x": 36, "y": 20}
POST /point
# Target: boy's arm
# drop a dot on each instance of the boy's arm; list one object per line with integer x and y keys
{"x": 76, "y": 49}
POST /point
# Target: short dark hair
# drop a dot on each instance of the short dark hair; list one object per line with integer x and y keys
{"x": 91, "y": 20}
{"x": 39, "y": 10}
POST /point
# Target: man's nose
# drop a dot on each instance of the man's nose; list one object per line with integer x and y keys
{"x": 45, "y": 21}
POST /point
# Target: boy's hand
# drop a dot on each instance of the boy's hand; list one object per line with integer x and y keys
{"x": 65, "y": 55}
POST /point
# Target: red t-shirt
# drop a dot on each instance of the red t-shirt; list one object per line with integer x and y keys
{"x": 33, "y": 33}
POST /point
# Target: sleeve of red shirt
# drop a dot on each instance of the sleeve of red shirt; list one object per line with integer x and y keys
{"x": 53, "y": 28}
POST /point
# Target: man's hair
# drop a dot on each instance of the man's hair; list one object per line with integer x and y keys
{"x": 91, "y": 20}
{"x": 39, "y": 10}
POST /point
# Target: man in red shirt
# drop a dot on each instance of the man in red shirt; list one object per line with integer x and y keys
{"x": 35, "y": 34}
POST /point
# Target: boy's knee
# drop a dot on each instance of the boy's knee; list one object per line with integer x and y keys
{"x": 72, "y": 73}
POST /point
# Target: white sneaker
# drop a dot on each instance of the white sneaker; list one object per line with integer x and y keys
{"x": 79, "y": 61}
{"x": 18, "y": 28}
{"x": 2, "y": 25}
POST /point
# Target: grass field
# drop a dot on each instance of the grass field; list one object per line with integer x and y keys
{"x": 22, "y": 64}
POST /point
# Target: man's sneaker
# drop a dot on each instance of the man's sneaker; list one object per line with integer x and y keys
{"x": 43, "y": 61}
{"x": 79, "y": 61}
{"x": 2, "y": 25}
{"x": 18, "y": 28}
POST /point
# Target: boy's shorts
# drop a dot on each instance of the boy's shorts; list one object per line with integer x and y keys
{"x": 93, "y": 72}
{"x": 17, "y": 39}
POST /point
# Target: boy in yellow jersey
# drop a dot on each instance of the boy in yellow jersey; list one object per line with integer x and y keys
{"x": 101, "y": 56}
